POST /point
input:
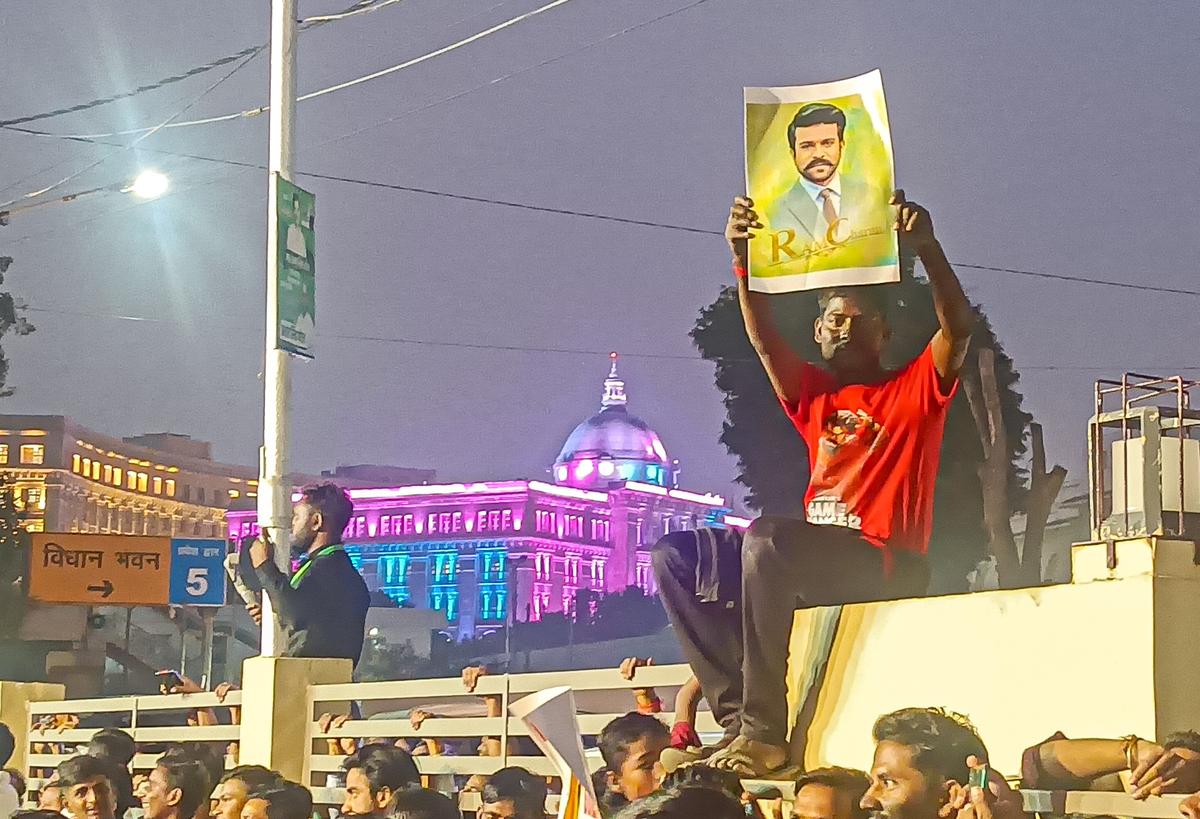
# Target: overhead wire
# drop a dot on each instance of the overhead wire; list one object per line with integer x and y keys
{"x": 522, "y": 348}
{"x": 408, "y": 112}
{"x": 252, "y": 112}
{"x": 360, "y": 7}
{"x": 192, "y": 103}
{"x": 546, "y": 209}
{"x": 648, "y": 223}
{"x": 502, "y": 78}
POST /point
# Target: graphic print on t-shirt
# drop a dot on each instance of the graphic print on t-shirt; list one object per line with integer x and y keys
{"x": 873, "y": 451}
{"x": 847, "y": 437}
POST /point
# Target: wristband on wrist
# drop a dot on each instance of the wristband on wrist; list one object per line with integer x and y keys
{"x": 1130, "y": 749}
{"x": 740, "y": 272}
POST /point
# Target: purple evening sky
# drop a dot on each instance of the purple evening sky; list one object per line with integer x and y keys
{"x": 1055, "y": 137}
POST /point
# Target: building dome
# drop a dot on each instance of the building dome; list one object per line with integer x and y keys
{"x": 613, "y": 446}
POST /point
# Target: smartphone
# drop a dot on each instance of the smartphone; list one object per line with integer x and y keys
{"x": 761, "y": 791}
{"x": 168, "y": 679}
{"x": 978, "y": 778}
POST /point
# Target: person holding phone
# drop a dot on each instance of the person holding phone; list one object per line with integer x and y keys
{"x": 930, "y": 763}
{"x": 322, "y": 604}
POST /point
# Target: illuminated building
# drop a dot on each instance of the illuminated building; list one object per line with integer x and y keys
{"x": 481, "y": 551}
{"x": 67, "y": 478}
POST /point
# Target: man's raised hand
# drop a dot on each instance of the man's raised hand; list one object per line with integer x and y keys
{"x": 261, "y": 549}
{"x": 742, "y": 219}
{"x": 471, "y": 675}
{"x": 913, "y": 223}
{"x": 630, "y": 665}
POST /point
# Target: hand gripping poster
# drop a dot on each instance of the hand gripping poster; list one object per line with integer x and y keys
{"x": 819, "y": 170}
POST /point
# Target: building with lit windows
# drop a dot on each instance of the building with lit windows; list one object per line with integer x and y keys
{"x": 67, "y": 478}
{"x": 481, "y": 551}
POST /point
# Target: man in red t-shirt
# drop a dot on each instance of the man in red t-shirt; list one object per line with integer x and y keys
{"x": 874, "y": 438}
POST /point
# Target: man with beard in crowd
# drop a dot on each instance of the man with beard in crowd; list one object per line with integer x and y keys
{"x": 322, "y": 606}
{"x": 874, "y": 439}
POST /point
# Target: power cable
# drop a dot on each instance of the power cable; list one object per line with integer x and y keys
{"x": 654, "y": 224}
{"x": 252, "y": 112}
{"x": 361, "y": 7}
{"x": 512, "y": 74}
{"x": 518, "y": 348}
{"x": 409, "y": 112}
{"x": 34, "y": 194}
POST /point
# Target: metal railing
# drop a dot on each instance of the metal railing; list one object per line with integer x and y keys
{"x": 125, "y": 713}
{"x": 601, "y": 695}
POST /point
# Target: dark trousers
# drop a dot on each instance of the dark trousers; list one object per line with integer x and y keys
{"x": 738, "y": 650}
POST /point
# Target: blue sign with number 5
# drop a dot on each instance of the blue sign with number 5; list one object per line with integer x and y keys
{"x": 197, "y": 572}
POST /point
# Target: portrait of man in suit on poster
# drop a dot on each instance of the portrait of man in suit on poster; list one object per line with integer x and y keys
{"x": 821, "y": 196}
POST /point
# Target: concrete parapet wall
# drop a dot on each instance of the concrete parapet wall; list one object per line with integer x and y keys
{"x": 1112, "y": 654}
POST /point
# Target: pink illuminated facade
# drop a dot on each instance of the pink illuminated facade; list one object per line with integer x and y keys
{"x": 483, "y": 552}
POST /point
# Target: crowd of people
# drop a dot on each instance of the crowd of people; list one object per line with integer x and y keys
{"x": 189, "y": 781}
{"x": 928, "y": 763}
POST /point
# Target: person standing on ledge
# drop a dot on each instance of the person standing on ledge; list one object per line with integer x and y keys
{"x": 874, "y": 438}
{"x": 322, "y": 606}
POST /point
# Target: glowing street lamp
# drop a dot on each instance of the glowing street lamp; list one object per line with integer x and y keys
{"x": 149, "y": 184}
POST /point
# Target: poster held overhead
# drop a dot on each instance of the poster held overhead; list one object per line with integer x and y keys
{"x": 819, "y": 170}
{"x": 550, "y": 717}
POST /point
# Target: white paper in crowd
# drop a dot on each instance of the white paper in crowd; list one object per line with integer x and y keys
{"x": 550, "y": 717}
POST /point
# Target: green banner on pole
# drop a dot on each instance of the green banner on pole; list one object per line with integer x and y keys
{"x": 295, "y": 212}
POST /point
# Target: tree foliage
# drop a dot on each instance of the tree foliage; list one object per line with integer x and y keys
{"x": 772, "y": 460}
{"x": 14, "y": 557}
{"x": 14, "y": 541}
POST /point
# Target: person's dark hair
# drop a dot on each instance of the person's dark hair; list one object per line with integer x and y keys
{"x": 8, "y": 744}
{"x": 17, "y": 780}
{"x": 940, "y": 740}
{"x": 618, "y": 735}
{"x": 816, "y": 113}
{"x": 868, "y": 298}
{"x": 114, "y": 745}
{"x": 704, "y": 776}
{"x": 332, "y": 502}
{"x": 846, "y": 782}
{"x": 254, "y": 776}
{"x": 1189, "y": 740}
{"x": 209, "y": 757}
{"x": 285, "y": 800}
{"x": 384, "y": 766}
{"x": 193, "y": 781}
{"x": 422, "y": 803}
{"x": 685, "y": 803}
{"x": 37, "y": 814}
{"x": 610, "y": 801}
{"x": 526, "y": 791}
{"x": 80, "y": 769}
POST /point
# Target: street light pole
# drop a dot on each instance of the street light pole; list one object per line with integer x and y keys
{"x": 274, "y": 501}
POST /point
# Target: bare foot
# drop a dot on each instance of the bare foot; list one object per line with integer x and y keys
{"x": 750, "y": 758}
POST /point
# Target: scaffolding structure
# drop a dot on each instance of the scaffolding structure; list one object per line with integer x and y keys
{"x": 1144, "y": 458}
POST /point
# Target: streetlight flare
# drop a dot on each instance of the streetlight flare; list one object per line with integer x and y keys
{"x": 150, "y": 185}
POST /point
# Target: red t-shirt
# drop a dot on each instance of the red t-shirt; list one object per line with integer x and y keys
{"x": 873, "y": 451}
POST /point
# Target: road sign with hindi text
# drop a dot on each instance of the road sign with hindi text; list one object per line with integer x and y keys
{"x": 106, "y": 570}
{"x": 125, "y": 570}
